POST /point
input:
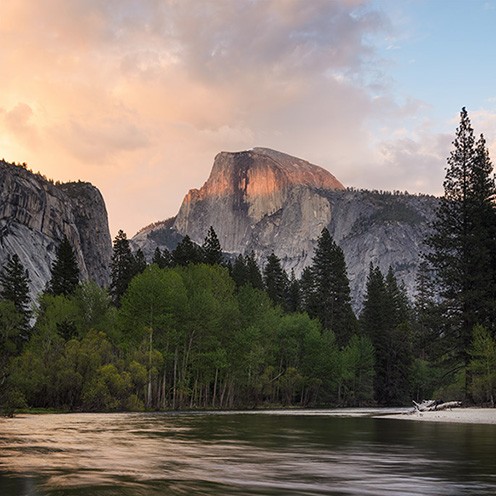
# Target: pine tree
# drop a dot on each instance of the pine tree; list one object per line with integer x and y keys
{"x": 122, "y": 268}
{"x": 329, "y": 297}
{"x": 426, "y": 315}
{"x": 293, "y": 296}
{"x": 253, "y": 273}
{"x": 65, "y": 270}
{"x": 139, "y": 262}
{"x": 239, "y": 271}
{"x": 14, "y": 287}
{"x": 462, "y": 246}
{"x": 275, "y": 279}
{"x": 212, "y": 251}
{"x": 383, "y": 321}
{"x": 307, "y": 296}
{"x": 162, "y": 258}
{"x": 187, "y": 252}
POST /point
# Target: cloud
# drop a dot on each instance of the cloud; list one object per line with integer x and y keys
{"x": 138, "y": 97}
{"x": 18, "y": 121}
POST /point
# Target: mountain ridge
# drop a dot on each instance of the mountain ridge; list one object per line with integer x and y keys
{"x": 36, "y": 213}
{"x": 264, "y": 211}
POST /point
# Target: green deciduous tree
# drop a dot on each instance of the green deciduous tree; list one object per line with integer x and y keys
{"x": 358, "y": 371}
{"x": 483, "y": 365}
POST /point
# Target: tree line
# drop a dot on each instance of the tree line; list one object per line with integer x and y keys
{"x": 191, "y": 329}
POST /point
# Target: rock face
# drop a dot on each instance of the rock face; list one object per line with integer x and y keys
{"x": 267, "y": 201}
{"x": 35, "y": 214}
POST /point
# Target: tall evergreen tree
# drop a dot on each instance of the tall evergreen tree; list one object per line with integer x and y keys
{"x": 253, "y": 273}
{"x": 212, "y": 251}
{"x": 139, "y": 262}
{"x": 462, "y": 245}
{"x": 122, "y": 268}
{"x": 14, "y": 287}
{"x": 162, "y": 258}
{"x": 65, "y": 270}
{"x": 329, "y": 297}
{"x": 382, "y": 320}
{"x": 239, "y": 271}
{"x": 275, "y": 279}
{"x": 293, "y": 296}
{"x": 187, "y": 252}
{"x": 426, "y": 315}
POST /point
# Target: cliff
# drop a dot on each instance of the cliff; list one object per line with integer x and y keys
{"x": 35, "y": 214}
{"x": 267, "y": 201}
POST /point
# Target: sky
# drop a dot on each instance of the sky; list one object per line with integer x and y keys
{"x": 138, "y": 96}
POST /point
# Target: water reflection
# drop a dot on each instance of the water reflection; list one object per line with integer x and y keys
{"x": 269, "y": 454}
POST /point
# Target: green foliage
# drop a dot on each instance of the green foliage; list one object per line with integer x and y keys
{"x": 358, "y": 371}
{"x": 139, "y": 262}
{"x": 65, "y": 270}
{"x": 187, "y": 252}
{"x": 275, "y": 280}
{"x": 463, "y": 247}
{"x": 245, "y": 270}
{"x": 483, "y": 366}
{"x": 162, "y": 259}
{"x": 326, "y": 289}
{"x": 122, "y": 268}
{"x": 384, "y": 320}
{"x": 212, "y": 251}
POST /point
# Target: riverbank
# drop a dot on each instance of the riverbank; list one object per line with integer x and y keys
{"x": 456, "y": 415}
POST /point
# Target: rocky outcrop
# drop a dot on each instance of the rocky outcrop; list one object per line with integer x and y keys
{"x": 245, "y": 189}
{"x": 35, "y": 214}
{"x": 267, "y": 201}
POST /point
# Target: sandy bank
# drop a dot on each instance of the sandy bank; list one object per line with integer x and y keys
{"x": 459, "y": 415}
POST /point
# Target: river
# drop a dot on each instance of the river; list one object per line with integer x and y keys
{"x": 264, "y": 453}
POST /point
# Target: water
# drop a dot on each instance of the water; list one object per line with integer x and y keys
{"x": 271, "y": 453}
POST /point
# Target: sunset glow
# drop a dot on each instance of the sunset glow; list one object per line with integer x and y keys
{"x": 138, "y": 97}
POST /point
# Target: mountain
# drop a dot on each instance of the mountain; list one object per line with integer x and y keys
{"x": 35, "y": 214}
{"x": 267, "y": 201}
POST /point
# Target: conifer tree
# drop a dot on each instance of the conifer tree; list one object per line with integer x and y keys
{"x": 382, "y": 320}
{"x": 275, "y": 279}
{"x": 329, "y": 297}
{"x": 162, "y": 258}
{"x": 307, "y": 296}
{"x": 426, "y": 315}
{"x": 462, "y": 245}
{"x": 14, "y": 287}
{"x": 139, "y": 262}
{"x": 239, "y": 271}
{"x": 293, "y": 296}
{"x": 122, "y": 268}
{"x": 187, "y": 252}
{"x": 212, "y": 251}
{"x": 253, "y": 273}
{"x": 65, "y": 270}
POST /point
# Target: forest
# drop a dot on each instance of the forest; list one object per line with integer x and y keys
{"x": 193, "y": 329}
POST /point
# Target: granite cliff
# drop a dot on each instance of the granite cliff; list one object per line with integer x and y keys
{"x": 267, "y": 201}
{"x": 35, "y": 214}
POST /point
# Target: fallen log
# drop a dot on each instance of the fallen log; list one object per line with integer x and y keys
{"x": 434, "y": 405}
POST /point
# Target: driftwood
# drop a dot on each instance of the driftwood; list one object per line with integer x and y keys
{"x": 434, "y": 405}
